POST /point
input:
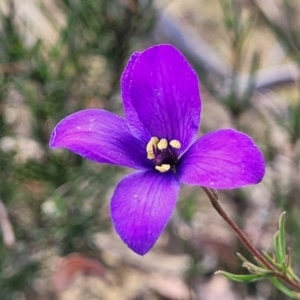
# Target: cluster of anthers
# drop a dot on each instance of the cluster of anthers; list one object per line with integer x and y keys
{"x": 163, "y": 153}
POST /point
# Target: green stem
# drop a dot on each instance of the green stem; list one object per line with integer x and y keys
{"x": 213, "y": 197}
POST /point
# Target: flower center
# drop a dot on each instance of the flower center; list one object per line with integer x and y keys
{"x": 163, "y": 153}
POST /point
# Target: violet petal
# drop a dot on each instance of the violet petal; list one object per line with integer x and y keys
{"x": 222, "y": 159}
{"x": 141, "y": 206}
{"x": 134, "y": 124}
{"x": 100, "y": 136}
{"x": 164, "y": 91}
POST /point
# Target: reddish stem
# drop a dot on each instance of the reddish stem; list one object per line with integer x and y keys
{"x": 213, "y": 197}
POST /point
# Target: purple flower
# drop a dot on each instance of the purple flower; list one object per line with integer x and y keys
{"x": 158, "y": 138}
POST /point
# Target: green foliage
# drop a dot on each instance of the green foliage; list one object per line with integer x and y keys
{"x": 18, "y": 281}
{"x": 281, "y": 275}
{"x": 246, "y": 278}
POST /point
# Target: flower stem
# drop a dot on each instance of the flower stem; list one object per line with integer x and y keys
{"x": 213, "y": 197}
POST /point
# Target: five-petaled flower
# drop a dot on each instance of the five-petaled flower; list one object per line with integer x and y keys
{"x": 158, "y": 138}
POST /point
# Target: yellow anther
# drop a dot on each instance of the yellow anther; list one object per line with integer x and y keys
{"x": 150, "y": 155}
{"x": 163, "y": 168}
{"x": 152, "y": 143}
{"x": 162, "y": 144}
{"x": 149, "y": 148}
{"x": 175, "y": 144}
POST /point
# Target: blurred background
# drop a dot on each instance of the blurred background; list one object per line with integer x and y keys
{"x": 60, "y": 56}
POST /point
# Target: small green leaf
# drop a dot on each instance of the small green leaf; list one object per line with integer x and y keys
{"x": 270, "y": 259}
{"x": 284, "y": 289}
{"x": 256, "y": 270}
{"x": 279, "y": 243}
{"x": 252, "y": 268}
{"x": 277, "y": 247}
{"x": 241, "y": 257}
{"x": 282, "y": 239}
{"x": 242, "y": 278}
{"x": 291, "y": 274}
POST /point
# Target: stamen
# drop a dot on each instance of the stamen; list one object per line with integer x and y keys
{"x": 163, "y": 168}
{"x": 150, "y": 155}
{"x": 152, "y": 144}
{"x": 163, "y": 144}
{"x": 175, "y": 144}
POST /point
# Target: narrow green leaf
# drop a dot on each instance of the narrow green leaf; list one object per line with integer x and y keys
{"x": 291, "y": 274}
{"x": 279, "y": 244}
{"x": 281, "y": 240}
{"x": 256, "y": 270}
{"x": 252, "y": 268}
{"x": 242, "y": 258}
{"x": 289, "y": 269}
{"x": 270, "y": 259}
{"x": 277, "y": 248}
{"x": 242, "y": 278}
{"x": 281, "y": 287}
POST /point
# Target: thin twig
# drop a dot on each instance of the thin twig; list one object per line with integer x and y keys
{"x": 213, "y": 197}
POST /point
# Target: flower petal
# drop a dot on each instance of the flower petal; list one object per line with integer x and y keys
{"x": 163, "y": 89}
{"x": 100, "y": 136}
{"x": 141, "y": 207}
{"x": 222, "y": 159}
{"x": 135, "y": 126}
